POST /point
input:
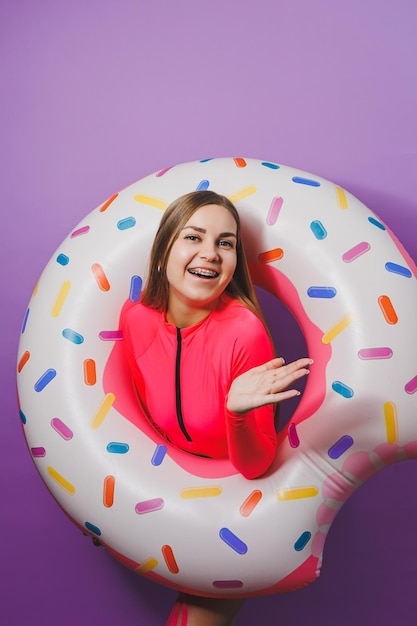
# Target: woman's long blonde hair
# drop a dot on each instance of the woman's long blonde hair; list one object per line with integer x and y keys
{"x": 156, "y": 291}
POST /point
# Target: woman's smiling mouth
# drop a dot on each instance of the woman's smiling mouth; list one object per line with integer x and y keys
{"x": 203, "y": 272}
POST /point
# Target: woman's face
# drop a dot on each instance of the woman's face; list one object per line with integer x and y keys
{"x": 201, "y": 264}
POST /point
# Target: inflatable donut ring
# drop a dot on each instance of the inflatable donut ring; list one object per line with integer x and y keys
{"x": 191, "y": 523}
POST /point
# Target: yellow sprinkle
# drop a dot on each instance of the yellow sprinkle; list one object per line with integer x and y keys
{"x": 155, "y": 202}
{"x": 102, "y": 410}
{"x": 341, "y": 198}
{"x": 61, "y": 481}
{"x": 59, "y": 302}
{"x": 338, "y": 328}
{"x": 147, "y": 565}
{"x": 391, "y": 422}
{"x": 35, "y": 290}
{"x": 200, "y": 492}
{"x": 296, "y": 493}
{"x": 243, "y": 193}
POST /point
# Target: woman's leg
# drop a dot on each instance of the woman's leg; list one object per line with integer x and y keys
{"x": 197, "y": 611}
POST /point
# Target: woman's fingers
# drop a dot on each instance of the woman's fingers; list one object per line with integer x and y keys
{"x": 266, "y": 384}
{"x": 279, "y": 364}
{"x": 284, "y": 375}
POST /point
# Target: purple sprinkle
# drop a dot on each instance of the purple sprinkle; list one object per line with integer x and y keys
{"x": 227, "y": 584}
{"x": 45, "y": 379}
{"x": 38, "y": 452}
{"x": 110, "y": 335}
{"x": 340, "y": 447}
{"x": 62, "y": 429}
{"x": 293, "y": 436}
{"x": 147, "y": 506}
{"x": 411, "y": 386}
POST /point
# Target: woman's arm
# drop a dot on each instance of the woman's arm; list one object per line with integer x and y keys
{"x": 250, "y": 412}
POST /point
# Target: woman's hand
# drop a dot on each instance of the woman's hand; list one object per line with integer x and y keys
{"x": 266, "y": 384}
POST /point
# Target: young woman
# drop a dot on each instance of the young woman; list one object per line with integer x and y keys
{"x": 204, "y": 369}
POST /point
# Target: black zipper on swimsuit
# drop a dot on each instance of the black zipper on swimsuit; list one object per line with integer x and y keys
{"x": 178, "y": 386}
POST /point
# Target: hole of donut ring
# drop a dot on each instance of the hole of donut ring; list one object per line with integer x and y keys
{"x": 289, "y": 342}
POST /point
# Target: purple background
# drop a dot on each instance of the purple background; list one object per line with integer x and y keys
{"x": 98, "y": 93}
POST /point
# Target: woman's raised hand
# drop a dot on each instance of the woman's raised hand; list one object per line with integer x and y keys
{"x": 266, "y": 384}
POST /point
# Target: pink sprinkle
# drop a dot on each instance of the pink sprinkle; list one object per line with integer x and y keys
{"x": 80, "y": 231}
{"x": 162, "y": 172}
{"x": 293, "y": 436}
{"x": 38, "y": 452}
{"x": 147, "y": 506}
{"x": 274, "y": 210}
{"x": 356, "y": 251}
{"x": 411, "y": 386}
{"x": 375, "y": 353}
{"x": 110, "y": 335}
{"x": 61, "y": 428}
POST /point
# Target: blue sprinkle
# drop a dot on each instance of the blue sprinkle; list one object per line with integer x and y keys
{"x": 377, "y": 223}
{"x": 205, "y": 160}
{"x": 72, "y": 336}
{"x": 203, "y": 185}
{"x": 272, "y": 166}
{"x": 45, "y": 379}
{"x": 135, "y": 288}
{"x": 94, "y": 529}
{"x": 342, "y": 389}
{"x": 398, "y": 269}
{"x": 306, "y": 181}
{"x": 340, "y": 447}
{"x": 321, "y": 292}
{"x": 25, "y": 320}
{"x": 318, "y": 230}
{"x": 62, "y": 259}
{"x": 127, "y": 222}
{"x": 234, "y": 542}
{"x": 22, "y": 417}
{"x": 302, "y": 541}
{"x": 116, "y": 447}
{"x": 159, "y": 454}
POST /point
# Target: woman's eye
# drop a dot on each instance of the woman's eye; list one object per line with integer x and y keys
{"x": 192, "y": 237}
{"x": 225, "y": 243}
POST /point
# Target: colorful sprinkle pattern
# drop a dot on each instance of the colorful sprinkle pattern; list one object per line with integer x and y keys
{"x": 184, "y": 520}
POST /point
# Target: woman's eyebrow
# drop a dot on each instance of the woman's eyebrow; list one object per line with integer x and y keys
{"x": 203, "y": 231}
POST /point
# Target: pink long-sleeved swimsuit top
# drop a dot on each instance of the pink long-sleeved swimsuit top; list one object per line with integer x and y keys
{"x": 183, "y": 376}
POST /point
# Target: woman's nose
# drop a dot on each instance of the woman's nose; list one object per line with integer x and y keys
{"x": 209, "y": 252}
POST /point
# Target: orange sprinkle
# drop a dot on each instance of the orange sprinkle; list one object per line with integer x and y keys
{"x": 169, "y": 557}
{"x": 100, "y": 277}
{"x": 108, "y": 491}
{"x": 250, "y": 503}
{"x": 108, "y": 203}
{"x": 271, "y": 255}
{"x": 387, "y": 309}
{"x": 240, "y": 162}
{"x": 90, "y": 376}
{"x": 25, "y": 358}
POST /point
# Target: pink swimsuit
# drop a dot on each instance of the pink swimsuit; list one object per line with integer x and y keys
{"x": 183, "y": 377}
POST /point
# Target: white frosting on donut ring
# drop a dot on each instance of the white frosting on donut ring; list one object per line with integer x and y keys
{"x": 192, "y": 523}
